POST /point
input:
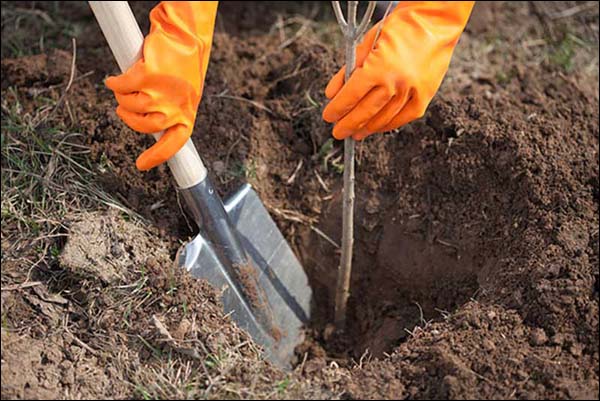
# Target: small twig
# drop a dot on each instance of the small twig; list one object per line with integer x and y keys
{"x": 291, "y": 215}
{"x": 445, "y": 314}
{"x": 233, "y": 145}
{"x": 296, "y": 170}
{"x": 422, "y": 317}
{"x": 243, "y": 99}
{"x": 14, "y": 287}
{"x": 380, "y": 27}
{"x": 485, "y": 379}
{"x": 66, "y": 91}
{"x": 362, "y": 358}
{"x": 36, "y": 91}
{"x": 162, "y": 330}
{"x": 157, "y": 205}
{"x": 362, "y": 27}
{"x": 301, "y": 369}
{"x": 73, "y": 61}
{"x": 296, "y": 71}
{"x": 413, "y": 332}
{"x": 446, "y": 243}
{"x": 569, "y": 12}
{"x": 325, "y": 236}
{"x": 299, "y": 33}
{"x": 325, "y": 187}
{"x": 71, "y": 116}
{"x": 337, "y": 10}
{"x": 34, "y": 12}
{"x": 81, "y": 343}
{"x": 329, "y": 156}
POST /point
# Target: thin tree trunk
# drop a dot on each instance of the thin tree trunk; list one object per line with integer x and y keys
{"x": 351, "y": 34}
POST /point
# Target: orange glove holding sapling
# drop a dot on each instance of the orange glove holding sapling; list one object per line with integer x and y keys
{"x": 394, "y": 82}
{"x": 162, "y": 90}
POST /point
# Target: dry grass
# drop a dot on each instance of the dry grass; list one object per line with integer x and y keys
{"x": 45, "y": 175}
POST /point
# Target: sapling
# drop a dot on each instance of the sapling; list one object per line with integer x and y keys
{"x": 352, "y": 32}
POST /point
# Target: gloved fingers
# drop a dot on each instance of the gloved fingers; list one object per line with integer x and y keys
{"x": 362, "y": 51}
{"x": 136, "y": 102}
{"x": 128, "y": 82}
{"x": 146, "y": 123}
{"x": 383, "y": 121}
{"x": 415, "y": 108}
{"x": 362, "y": 134}
{"x": 169, "y": 144}
{"x": 357, "y": 87}
{"x": 335, "y": 83}
{"x": 383, "y": 117}
{"x": 364, "y": 111}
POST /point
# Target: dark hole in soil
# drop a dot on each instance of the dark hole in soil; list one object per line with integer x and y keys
{"x": 400, "y": 279}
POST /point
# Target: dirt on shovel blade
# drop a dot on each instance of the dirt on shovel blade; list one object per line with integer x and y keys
{"x": 247, "y": 277}
{"x": 475, "y": 271}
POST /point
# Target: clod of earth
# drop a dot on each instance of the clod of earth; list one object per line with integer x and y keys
{"x": 103, "y": 248}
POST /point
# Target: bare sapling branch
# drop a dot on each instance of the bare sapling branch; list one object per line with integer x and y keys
{"x": 337, "y": 10}
{"x": 364, "y": 23}
{"x": 351, "y": 34}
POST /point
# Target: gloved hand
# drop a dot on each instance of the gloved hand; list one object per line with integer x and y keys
{"x": 394, "y": 82}
{"x": 162, "y": 90}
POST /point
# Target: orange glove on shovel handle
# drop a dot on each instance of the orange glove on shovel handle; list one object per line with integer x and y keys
{"x": 162, "y": 90}
{"x": 395, "y": 80}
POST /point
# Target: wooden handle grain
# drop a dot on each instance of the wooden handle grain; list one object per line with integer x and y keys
{"x": 125, "y": 39}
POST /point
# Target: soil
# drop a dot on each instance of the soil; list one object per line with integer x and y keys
{"x": 35, "y": 369}
{"x": 118, "y": 332}
{"x": 248, "y": 279}
{"x": 476, "y": 255}
{"x": 247, "y": 276}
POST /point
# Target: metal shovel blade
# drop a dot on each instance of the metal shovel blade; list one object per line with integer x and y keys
{"x": 278, "y": 273}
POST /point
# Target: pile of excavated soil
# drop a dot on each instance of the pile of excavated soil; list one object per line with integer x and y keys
{"x": 476, "y": 256}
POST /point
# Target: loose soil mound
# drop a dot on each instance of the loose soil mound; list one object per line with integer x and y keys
{"x": 476, "y": 261}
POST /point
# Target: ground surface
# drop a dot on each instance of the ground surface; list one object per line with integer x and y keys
{"x": 476, "y": 261}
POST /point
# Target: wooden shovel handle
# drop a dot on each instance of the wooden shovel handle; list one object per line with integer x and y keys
{"x": 125, "y": 39}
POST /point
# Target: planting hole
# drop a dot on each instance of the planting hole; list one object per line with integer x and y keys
{"x": 401, "y": 279}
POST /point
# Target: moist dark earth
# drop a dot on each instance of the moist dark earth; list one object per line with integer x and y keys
{"x": 476, "y": 255}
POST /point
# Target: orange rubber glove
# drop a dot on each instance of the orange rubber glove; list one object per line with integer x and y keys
{"x": 162, "y": 90}
{"x": 394, "y": 82}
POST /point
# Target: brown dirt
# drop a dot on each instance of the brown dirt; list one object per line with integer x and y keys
{"x": 247, "y": 276}
{"x": 248, "y": 279}
{"x": 109, "y": 341}
{"x": 50, "y": 369}
{"x": 476, "y": 260}
{"x": 105, "y": 248}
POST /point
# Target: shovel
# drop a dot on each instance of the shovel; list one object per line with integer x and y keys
{"x": 239, "y": 249}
